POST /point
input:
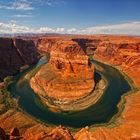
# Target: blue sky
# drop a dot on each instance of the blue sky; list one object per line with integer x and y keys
{"x": 70, "y": 16}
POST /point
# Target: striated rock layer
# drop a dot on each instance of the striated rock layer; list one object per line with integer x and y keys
{"x": 69, "y": 74}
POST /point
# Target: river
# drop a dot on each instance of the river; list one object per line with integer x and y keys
{"x": 101, "y": 112}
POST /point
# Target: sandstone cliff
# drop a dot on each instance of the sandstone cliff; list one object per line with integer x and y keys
{"x": 125, "y": 54}
{"x": 44, "y": 45}
{"x": 15, "y": 53}
{"x": 69, "y": 74}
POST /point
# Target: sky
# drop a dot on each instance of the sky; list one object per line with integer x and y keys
{"x": 70, "y": 16}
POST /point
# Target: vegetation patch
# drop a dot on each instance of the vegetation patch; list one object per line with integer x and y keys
{"x": 6, "y": 99}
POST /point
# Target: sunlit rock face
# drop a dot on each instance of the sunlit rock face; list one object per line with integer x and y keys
{"x": 69, "y": 59}
{"x": 69, "y": 74}
{"x": 45, "y": 44}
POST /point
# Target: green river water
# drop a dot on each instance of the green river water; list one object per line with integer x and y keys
{"x": 101, "y": 112}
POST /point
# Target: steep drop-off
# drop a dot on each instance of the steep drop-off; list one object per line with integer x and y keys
{"x": 15, "y": 53}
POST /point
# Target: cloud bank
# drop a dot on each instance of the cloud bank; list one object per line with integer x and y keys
{"x": 21, "y": 5}
{"x": 27, "y": 5}
{"x": 124, "y": 28}
{"x": 130, "y": 28}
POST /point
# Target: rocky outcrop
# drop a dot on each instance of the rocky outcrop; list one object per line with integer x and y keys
{"x": 126, "y": 54}
{"x": 69, "y": 74}
{"x": 84, "y": 134}
{"x": 44, "y": 45}
{"x": 14, "y": 134}
{"x": 61, "y": 133}
{"x": 89, "y": 45}
{"x": 15, "y": 53}
{"x": 58, "y": 133}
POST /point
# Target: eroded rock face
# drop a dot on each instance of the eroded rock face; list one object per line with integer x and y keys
{"x": 88, "y": 45}
{"x": 14, "y": 134}
{"x": 69, "y": 59}
{"x": 45, "y": 44}
{"x": 84, "y": 134}
{"x": 126, "y": 54}
{"x": 69, "y": 74}
{"x": 15, "y": 53}
{"x": 61, "y": 133}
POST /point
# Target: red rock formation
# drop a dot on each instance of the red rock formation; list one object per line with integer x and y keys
{"x": 126, "y": 54}
{"x": 45, "y": 44}
{"x": 84, "y": 134}
{"x": 14, "y": 134}
{"x": 88, "y": 45}
{"x": 69, "y": 74}
{"x": 58, "y": 133}
{"x": 61, "y": 133}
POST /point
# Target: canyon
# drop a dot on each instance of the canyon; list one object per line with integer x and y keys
{"x": 123, "y": 52}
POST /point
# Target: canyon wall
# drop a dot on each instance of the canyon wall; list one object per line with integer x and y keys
{"x": 45, "y": 44}
{"x": 15, "y": 53}
{"x": 117, "y": 53}
{"x": 118, "y": 50}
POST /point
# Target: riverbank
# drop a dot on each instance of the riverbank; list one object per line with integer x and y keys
{"x": 70, "y": 105}
{"x": 127, "y": 125}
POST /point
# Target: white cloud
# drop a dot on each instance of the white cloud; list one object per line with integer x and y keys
{"x": 14, "y": 28}
{"x": 22, "y": 5}
{"x": 45, "y": 29}
{"x": 60, "y": 30}
{"x": 50, "y": 30}
{"x": 50, "y": 2}
{"x": 72, "y": 30}
{"x": 131, "y": 28}
{"x": 23, "y": 15}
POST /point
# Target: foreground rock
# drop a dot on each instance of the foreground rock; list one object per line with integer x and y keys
{"x": 58, "y": 133}
{"x": 14, "y": 134}
{"x": 61, "y": 133}
{"x": 68, "y": 76}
